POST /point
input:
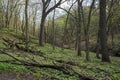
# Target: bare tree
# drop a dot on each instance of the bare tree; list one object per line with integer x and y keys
{"x": 45, "y": 12}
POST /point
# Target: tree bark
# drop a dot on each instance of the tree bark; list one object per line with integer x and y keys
{"x": 79, "y": 28}
{"x": 98, "y": 46}
{"x": 103, "y": 32}
{"x": 26, "y": 24}
{"x": 42, "y": 25}
{"x": 53, "y": 29}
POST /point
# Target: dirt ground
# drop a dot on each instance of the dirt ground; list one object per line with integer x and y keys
{"x": 15, "y": 76}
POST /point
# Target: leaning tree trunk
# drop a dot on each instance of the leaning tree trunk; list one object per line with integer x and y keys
{"x": 103, "y": 32}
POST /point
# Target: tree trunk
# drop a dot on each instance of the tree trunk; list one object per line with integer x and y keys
{"x": 87, "y": 47}
{"x": 26, "y": 24}
{"x": 34, "y": 21}
{"x": 98, "y": 46}
{"x": 34, "y": 24}
{"x": 53, "y": 29}
{"x": 112, "y": 39}
{"x": 45, "y": 12}
{"x": 87, "y": 43}
{"x": 103, "y": 32}
{"x": 79, "y": 29}
{"x": 42, "y": 25}
{"x": 6, "y": 16}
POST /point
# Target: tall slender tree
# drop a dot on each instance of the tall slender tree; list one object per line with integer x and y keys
{"x": 79, "y": 27}
{"x": 26, "y": 24}
{"x": 34, "y": 19}
{"x": 86, "y": 30}
{"x": 53, "y": 29}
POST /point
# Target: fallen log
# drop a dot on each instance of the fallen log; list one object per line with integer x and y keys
{"x": 67, "y": 69}
{"x": 12, "y": 44}
{"x": 59, "y": 68}
{"x": 22, "y": 62}
{"x": 29, "y": 50}
{"x": 71, "y": 63}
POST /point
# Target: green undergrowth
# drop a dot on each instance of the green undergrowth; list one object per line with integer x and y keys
{"x": 54, "y": 74}
{"x": 12, "y": 67}
{"x": 93, "y": 68}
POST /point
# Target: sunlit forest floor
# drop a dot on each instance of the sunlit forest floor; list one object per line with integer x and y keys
{"x": 94, "y": 68}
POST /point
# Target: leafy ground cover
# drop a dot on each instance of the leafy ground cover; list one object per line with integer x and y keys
{"x": 94, "y": 68}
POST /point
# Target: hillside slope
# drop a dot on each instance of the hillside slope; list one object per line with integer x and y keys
{"x": 67, "y": 59}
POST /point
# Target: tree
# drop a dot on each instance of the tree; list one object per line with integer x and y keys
{"x": 1, "y": 15}
{"x": 79, "y": 27}
{"x": 86, "y": 29}
{"x": 112, "y": 18}
{"x": 53, "y": 29}
{"x": 35, "y": 9}
{"x": 10, "y": 8}
{"x": 103, "y": 31}
{"x": 26, "y": 24}
{"x": 45, "y": 12}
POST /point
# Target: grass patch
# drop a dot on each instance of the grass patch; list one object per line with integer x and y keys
{"x": 12, "y": 67}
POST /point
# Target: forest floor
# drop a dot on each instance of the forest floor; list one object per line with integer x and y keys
{"x": 94, "y": 68}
